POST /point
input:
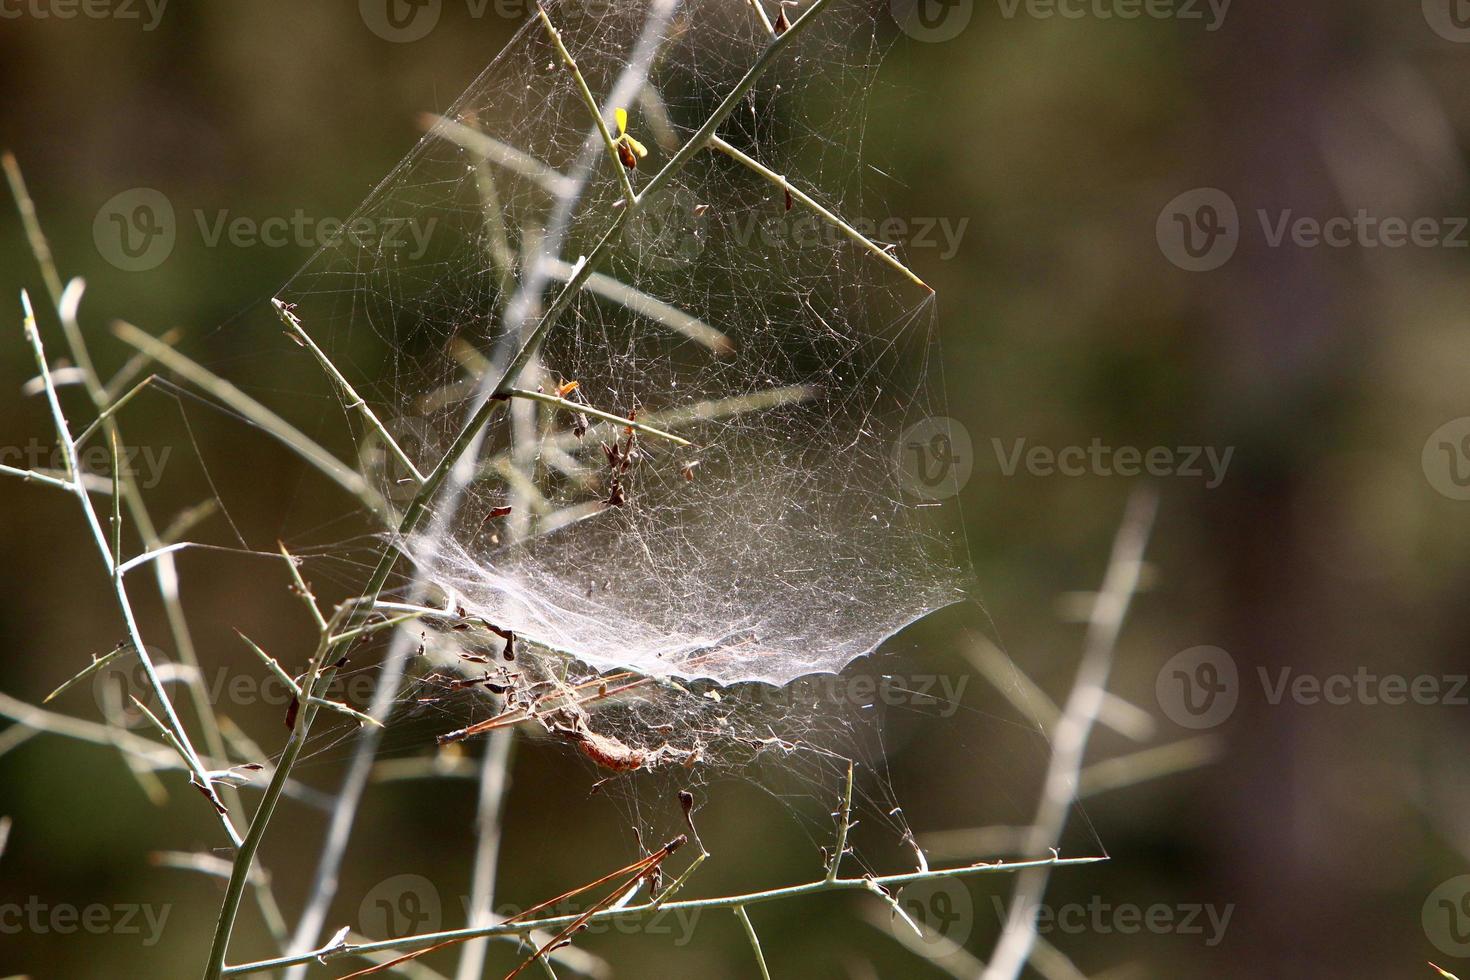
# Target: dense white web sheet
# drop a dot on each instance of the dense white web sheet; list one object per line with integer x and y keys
{"x": 786, "y": 539}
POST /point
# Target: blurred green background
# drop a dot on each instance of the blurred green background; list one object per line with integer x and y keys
{"x": 1335, "y": 544}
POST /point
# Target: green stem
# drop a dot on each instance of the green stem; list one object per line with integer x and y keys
{"x": 307, "y": 707}
{"x": 591, "y": 100}
{"x": 125, "y": 605}
{"x": 636, "y": 911}
{"x": 597, "y": 413}
{"x": 755, "y": 941}
{"x": 810, "y": 202}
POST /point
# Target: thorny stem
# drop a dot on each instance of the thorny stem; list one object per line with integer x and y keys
{"x": 349, "y": 479}
{"x": 607, "y": 138}
{"x": 597, "y": 413}
{"x": 306, "y": 709}
{"x": 633, "y": 876}
{"x": 77, "y": 485}
{"x": 633, "y": 912}
{"x": 105, "y": 401}
{"x": 755, "y": 941}
{"x": 289, "y": 683}
{"x": 807, "y": 200}
{"x": 354, "y": 400}
{"x": 844, "y": 822}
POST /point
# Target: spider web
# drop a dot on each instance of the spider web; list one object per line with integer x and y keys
{"x": 658, "y": 590}
{"x": 783, "y": 540}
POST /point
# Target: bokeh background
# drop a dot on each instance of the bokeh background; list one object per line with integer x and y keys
{"x": 1074, "y": 149}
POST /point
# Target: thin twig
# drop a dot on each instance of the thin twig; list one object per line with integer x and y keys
{"x": 492, "y": 150}
{"x": 660, "y": 312}
{"x": 354, "y": 400}
{"x": 1027, "y": 697}
{"x": 97, "y": 664}
{"x": 106, "y": 401}
{"x": 570, "y": 64}
{"x": 494, "y": 786}
{"x": 797, "y": 194}
{"x": 27, "y": 207}
{"x": 634, "y": 912}
{"x": 597, "y": 413}
{"x": 345, "y": 477}
{"x": 303, "y": 591}
{"x": 295, "y": 690}
{"x": 943, "y": 952}
{"x": 765, "y": 19}
{"x": 755, "y": 941}
{"x": 174, "y": 726}
{"x": 114, "y": 407}
{"x": 321, "y": 668}
{"x": 1149, "y": 764}
{"x": 844, "y": 822}
{"x": 1069, "y": 746}
{"x": 678, "y": 883}
{"x": 680, "y": 416}
{"x": 36, "y": 476}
